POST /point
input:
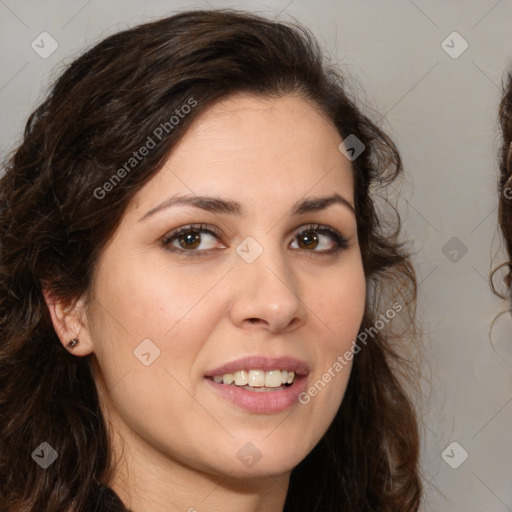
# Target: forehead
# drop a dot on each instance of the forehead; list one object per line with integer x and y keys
{"x": 248, "y": 147}
{"x": 252, "y": 121}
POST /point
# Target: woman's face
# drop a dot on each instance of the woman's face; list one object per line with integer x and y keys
{"x": 263, "y": 280}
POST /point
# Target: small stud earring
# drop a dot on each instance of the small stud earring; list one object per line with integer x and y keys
{"x": 73, "y": 343}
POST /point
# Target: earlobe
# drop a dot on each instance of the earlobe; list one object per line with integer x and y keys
{"x": 68, "y": 319}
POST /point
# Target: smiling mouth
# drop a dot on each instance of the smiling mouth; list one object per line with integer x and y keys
{"x": 257, "y": 380}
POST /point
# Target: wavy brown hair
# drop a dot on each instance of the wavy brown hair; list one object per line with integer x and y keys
{"x": 53, "y": 227}
{"x": 505, "y": 178}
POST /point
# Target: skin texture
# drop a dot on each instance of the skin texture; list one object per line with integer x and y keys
{"x": 176, "y": 439}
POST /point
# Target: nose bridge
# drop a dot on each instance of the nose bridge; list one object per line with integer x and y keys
{"x": 267, "y": 287}
{"x": 267, "y": 261}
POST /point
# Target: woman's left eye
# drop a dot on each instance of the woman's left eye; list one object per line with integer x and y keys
{"x": 187, "y": 240}
{"x": 308, "y": 239}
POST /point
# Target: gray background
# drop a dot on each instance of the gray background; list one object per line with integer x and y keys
{"x": 441, "y": 111}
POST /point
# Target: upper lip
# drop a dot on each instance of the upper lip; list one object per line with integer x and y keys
{"x": 261, "y": 363}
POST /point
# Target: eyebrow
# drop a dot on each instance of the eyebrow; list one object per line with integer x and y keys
{"x": 220, "y": 205}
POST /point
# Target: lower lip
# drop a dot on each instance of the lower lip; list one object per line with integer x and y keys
{"x": 261, "y": 402}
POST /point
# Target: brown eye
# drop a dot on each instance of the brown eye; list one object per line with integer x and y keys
{"x": 311, "y": 239}
{"x": 190, "y": 240}
{"x": 308, "y": 240}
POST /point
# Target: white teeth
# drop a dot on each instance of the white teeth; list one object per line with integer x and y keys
{"x": 241, "y": 378}
{"x": 228, "y": 378}
{"x": 273, "y": 379}
{"x": 257, "y": 378}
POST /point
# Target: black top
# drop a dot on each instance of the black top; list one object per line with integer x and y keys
{"x": 109, "y": 501}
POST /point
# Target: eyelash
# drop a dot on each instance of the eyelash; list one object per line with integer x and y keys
{"x": 340, "y": 241}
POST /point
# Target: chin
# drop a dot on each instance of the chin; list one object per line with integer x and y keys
{"x": 261, "y": 458}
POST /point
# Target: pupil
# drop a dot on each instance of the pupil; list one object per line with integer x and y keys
{"x": 311, "y": 240}
{"x": 191, "y": 238}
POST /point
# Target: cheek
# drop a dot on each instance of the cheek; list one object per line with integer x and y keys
{"x": 340, "y": 309}
{"x": 153, "y": 298}
{"x": 175, "y": 311}
{"x": 341, "y": 303}
{"x": 174, "y": 308}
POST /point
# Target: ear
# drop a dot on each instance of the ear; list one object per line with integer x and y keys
{"x": 70, "y": 321}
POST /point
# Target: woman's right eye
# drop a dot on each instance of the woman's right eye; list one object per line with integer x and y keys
{"x": 187, "y": 240}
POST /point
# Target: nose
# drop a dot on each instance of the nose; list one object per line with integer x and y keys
{"x": 266, "y": 294}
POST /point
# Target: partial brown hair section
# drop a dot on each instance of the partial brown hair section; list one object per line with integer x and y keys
{"x": 505, "y": 176}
